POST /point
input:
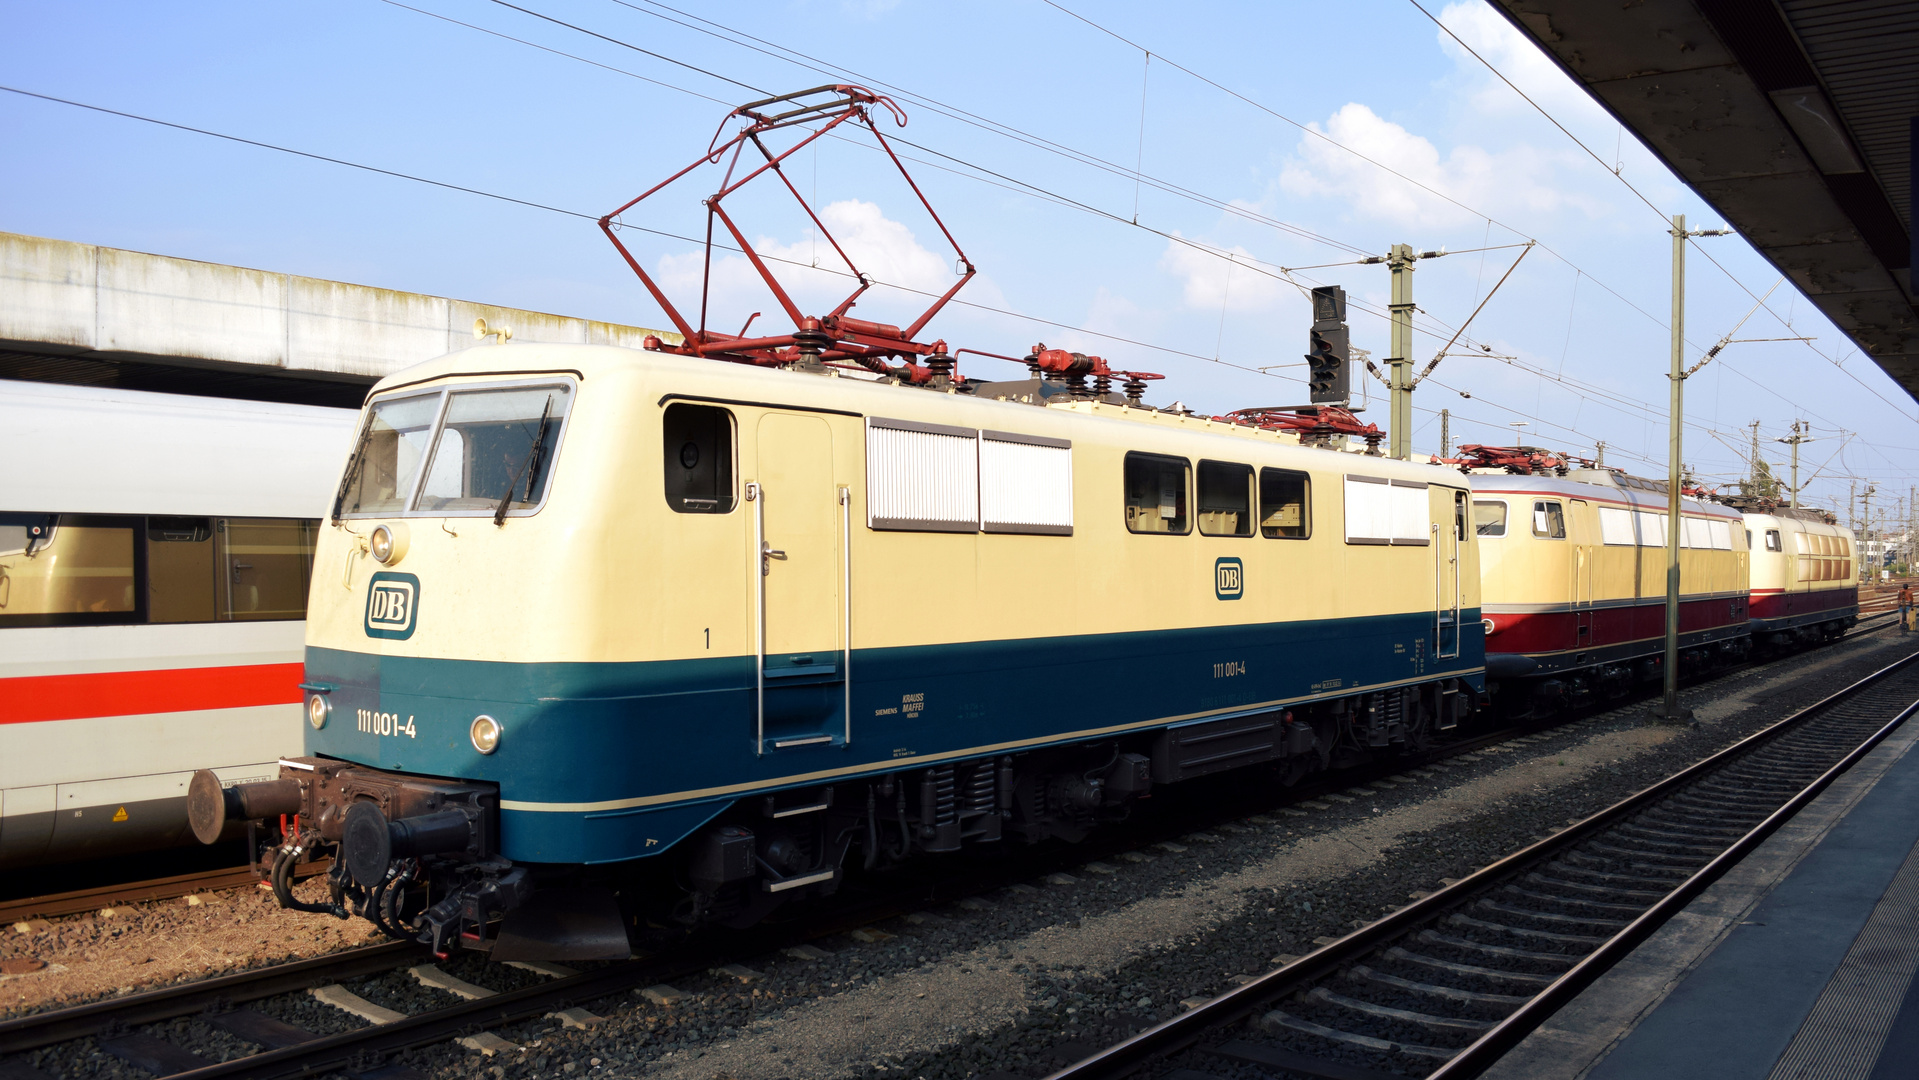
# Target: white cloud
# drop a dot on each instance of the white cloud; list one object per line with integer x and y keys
{"x": 1214, "y": 281}
{"x": 1521, "y": 177}
{"x": 1517, "y": 58}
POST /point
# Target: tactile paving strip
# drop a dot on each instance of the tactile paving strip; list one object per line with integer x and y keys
{"x": 1847, "y": 1027}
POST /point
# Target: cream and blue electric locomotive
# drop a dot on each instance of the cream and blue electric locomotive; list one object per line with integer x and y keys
{"x": 599, "y": 634}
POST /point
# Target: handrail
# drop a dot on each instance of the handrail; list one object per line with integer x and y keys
{"x": 753, "y": 495}
{"x": 1439, "y": 647}
{"x": 846, "y": 607}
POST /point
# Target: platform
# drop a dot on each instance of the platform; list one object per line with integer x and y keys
{"x": 1797, "y": 964}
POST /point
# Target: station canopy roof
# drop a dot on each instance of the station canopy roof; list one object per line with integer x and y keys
{"x": 1794, "y": 119}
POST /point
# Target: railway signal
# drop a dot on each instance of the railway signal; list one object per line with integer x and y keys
{"x": 1329, "y": 351}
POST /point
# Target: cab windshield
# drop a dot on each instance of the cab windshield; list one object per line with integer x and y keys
{"x": 475, "y": 451}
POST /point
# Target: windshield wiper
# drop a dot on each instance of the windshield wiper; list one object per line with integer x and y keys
{"x": 353, "y": 467}
{"x": 527, "y": 467}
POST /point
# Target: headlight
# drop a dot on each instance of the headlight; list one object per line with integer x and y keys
{"x": 1487, "y": 624}
{"x": 485, "y": 734}
{"x": 318, "y": 708}
{"x": 387, "y": 544}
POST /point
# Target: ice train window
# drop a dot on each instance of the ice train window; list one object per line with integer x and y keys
{"x": 697, "y": 453}
{"x": 1549, "y": 520}
{"x": 381, "y": 476}
{"x": 1225, "y": 499}
{"x": 83, "y": 571}
{"x": 1285, "y": 504}
{"x": 266, "y": 565}
{"x": 494, "y": 446}
{"x": 1025, "y": 484}
{"x": 182, "y": 571}
{"x": 1721, "y": 532}
{"x": 1489, "y": 518}
{"x": 1156, "y": 494}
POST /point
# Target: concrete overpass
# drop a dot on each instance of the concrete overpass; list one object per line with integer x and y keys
{"x": 97, "y": 316}
{"x": 1795, "y": 119}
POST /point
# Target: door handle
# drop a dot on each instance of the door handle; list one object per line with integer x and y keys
{"x": 767, "y": 552}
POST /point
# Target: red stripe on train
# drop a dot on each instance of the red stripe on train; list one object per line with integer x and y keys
{"x": 1559, "y": 631}
{"x": 35, "y": 698}
{"x": 1781, "y": 605}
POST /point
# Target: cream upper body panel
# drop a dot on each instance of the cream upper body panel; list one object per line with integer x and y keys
{"x": 1792, "y": 554}
{"x": 1567, "y": 542}
{"x": 604, "y": 570}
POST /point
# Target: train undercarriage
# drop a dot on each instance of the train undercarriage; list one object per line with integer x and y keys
{"x": 418, "y": 856}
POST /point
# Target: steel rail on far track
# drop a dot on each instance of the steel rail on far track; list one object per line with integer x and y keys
{"x": 44, "y": 1029}
{"x": 138, "y": 892}
{"x": 1235, "y": 1005}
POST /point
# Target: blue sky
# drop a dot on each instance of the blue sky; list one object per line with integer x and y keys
{"x": 1297, "y": 135}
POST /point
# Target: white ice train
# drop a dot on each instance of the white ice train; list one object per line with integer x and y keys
{"x": 155, "y": 551}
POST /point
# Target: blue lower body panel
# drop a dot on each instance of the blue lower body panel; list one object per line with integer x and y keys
{"x": 603, "y": 762}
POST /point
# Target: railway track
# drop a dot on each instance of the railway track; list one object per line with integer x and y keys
{"x": 287, "y": 1050}
{"x": 1442, "y": 987}
{"x": 148, "y": 889}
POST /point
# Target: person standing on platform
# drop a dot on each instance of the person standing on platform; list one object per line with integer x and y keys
{"x": 1905, "y": 606}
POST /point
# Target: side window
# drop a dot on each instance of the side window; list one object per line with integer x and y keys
{"x": 1459, "y": 516}
{"x": 698, "y": 455}
{"x": 1489, "y": 518}
{"x": 69, "y": 570}
{"x": 1748, "y": 539}
{"x": 265, "y": 567}
{"x": 1652, "y": 528}
{"x": 1156, "y": 494}
{"x": 1615, "y": 526}
{"x": 1225, "y": 499}
{"x": 86, "y": 570}
{"x": 1549, "y": 520}
{"x": 1285, "y": 504}
{"x": 182, "y": 570}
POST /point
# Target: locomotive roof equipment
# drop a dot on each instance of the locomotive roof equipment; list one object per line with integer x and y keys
{"x": 815, "y": 339}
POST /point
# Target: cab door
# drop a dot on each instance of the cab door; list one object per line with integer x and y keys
{"x": 1581, "y": 531}
{"x": 1450, "y": 510}
{"x": 800, "y": 521}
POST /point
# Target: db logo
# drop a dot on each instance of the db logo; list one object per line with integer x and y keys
{"x": 392, "y": 605}
{"x": 1229, "y": 580}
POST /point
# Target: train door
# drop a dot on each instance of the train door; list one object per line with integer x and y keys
{"x": 1584, "y": 524}
{"x": 1446, "y": 593}
{"x": 800, "y": 521}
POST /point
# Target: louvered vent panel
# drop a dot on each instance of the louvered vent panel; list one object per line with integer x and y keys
{"x": 921, "y": 479}
{"x": 1025, "y": 487}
